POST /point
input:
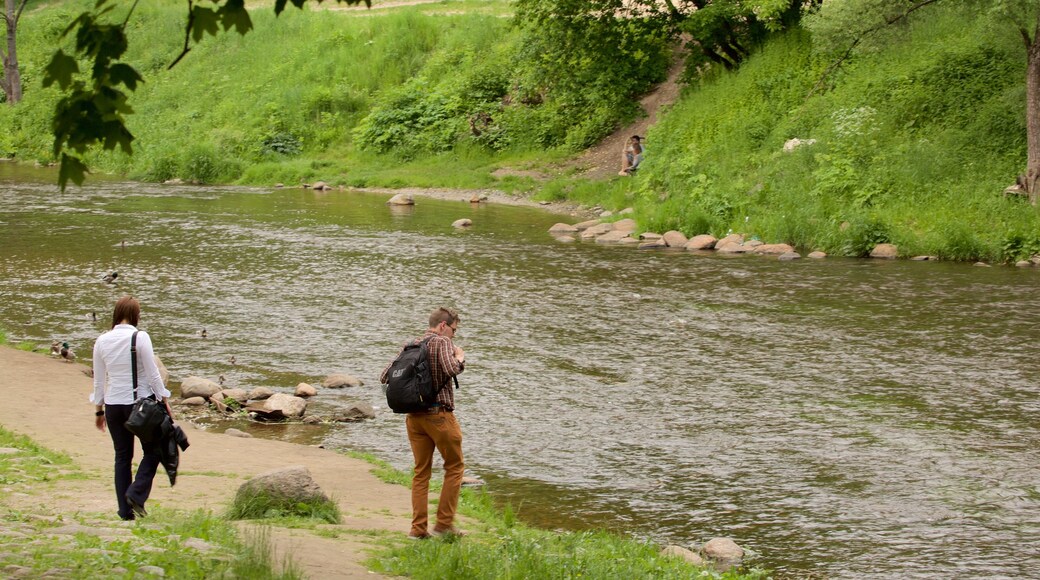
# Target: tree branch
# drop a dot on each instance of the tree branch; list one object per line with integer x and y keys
{"x": 18, "y": 13}
{"x": 187, "y": 36}
{"x": 888, "y": 22}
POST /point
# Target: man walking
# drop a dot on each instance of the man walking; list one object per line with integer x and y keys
{"x": 436, "y": 428}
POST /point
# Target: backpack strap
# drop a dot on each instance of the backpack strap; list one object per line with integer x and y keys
{"x": 425, "y": 343}
{"x": 133, "y": 361}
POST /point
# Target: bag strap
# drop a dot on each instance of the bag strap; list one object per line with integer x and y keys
{"x": 425, "y": 343}
{"x": 133, "y": 362}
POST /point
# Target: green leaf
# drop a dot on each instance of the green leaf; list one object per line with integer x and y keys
{"x": 125, "y": 74}
{"x": 234, "y": 13}
{"x": 71, "y": 168}
{"x": 60, "y": 70}
{"x": 205, "y": 22}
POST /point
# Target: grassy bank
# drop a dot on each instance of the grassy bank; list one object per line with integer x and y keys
{"x": 915, "y": 142}
{"x": 36, "y": 541}
{"x": 915, "y": 138}
{"x": 502, "y": 547}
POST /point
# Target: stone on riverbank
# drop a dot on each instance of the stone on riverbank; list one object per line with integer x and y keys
{"x": 612, "y": 237}
{"x": 817, "y": 255}
{"x": 239, "y": 395}
{"x": 163, "y": 373}
{"x": 680, "y": 552}
{"x": 562, "y": 228}
{"x": 582, "y": 226}
{"x": 356, "y": 412}
{"x": 674, "y": 239}
{"x": 282, "y": 488}
{"x": 885, "y": 252}
{"x": 340, "y": 380}
{"x": 260, "y": 393}
{"x": 401, "y": 199}
{"x": 305, "y": 390}
{"x": 788, "y": 256}
{"x": 701, "y": 242}
{"x": 777, "y": 249}
{"x": 724, "y": 552}
{"x": 198, "y": 387}
{"x": 280, "y": 404}
{"x": 193, "y": 402}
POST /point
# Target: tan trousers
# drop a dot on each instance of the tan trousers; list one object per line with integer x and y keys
{"x": 426, "y": 432}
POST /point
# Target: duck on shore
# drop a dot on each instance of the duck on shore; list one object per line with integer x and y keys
{"x": 66, "y": 352}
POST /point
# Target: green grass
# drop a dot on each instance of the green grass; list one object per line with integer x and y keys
{"x": 499, "y": 546}
{"x": 900, "y": 157}
{"x": 250, "y": 504}
{"x": 96, "y": 545}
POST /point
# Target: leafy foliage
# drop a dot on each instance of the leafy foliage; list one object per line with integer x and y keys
{"x": 94, "y": 113}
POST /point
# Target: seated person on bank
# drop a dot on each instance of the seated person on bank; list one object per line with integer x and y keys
{"x": 632, "y": 155}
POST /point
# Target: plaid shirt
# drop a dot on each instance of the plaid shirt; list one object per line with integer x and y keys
{"x": 443, "y": 366}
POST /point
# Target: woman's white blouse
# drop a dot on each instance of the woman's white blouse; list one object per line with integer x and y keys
{"x": 113, "y": 382}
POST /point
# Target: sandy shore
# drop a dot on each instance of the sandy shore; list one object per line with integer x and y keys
{"x": 46, "y": 399}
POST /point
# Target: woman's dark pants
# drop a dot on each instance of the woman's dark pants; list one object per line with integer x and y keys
{"x": 123, "y": 441}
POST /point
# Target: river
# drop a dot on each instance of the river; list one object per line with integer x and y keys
{"x": 841, "y": 418}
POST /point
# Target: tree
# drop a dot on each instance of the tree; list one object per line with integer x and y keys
{"x": 722, "y": 31}
{"x": 842, "y": 26}
{"x": 93, "y": 110}
{"x": 11, "y": 79}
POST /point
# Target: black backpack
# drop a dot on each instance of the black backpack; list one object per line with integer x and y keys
{"x": 409, "y": 383}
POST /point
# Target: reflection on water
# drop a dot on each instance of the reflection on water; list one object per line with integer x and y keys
{"x": 842, "y": 418}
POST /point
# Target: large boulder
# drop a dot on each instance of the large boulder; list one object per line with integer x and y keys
{"x": 680, "y": 552}
{"x": 772, "y": 249}
{"x": 280, "y": 405}
{"x": 885, "y": 251}
{"x": 198, "y": 387}
{"x": 401, "y": 199}
{"x": 163, "y": 373}
{"x": 596, "y": 230}
{"x": 355, "y": 412}
{"x": 285, "y": 487}
{"x": 674, "y": 239}
{"x": 582, "y": 226}
{"x": 260, "y": 393}
{"x": 340, "y": 380}
{"x": 701, "y": 242}
{"x": 562, "y": 228}
{"x": 612, "y": 237}
{"x": 239, "y": 395}
{"x": 625, "y": 225}
{"x": 724, "y": 552}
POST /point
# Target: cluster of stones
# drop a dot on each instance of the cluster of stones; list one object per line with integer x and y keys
{"x": 719, "y": 553}
{"x": 266, "y": 404}
{"x": 406, "y": 199}
{"x": 623, "y": 232}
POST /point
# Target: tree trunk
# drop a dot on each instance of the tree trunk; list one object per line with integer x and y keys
{"x": 12, "y": 80}
{"x": 1032, "y": 175}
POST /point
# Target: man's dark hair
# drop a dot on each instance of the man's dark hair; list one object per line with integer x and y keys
{"x": 442, "y": 314}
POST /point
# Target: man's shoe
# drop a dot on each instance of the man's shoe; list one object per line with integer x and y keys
{"x": 448, "y": 532}
{"x": 137, "y": 508}
{"x": 418, "y": 536}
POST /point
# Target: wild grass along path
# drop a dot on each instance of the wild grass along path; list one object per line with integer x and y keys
{"x": 46, "y": 399}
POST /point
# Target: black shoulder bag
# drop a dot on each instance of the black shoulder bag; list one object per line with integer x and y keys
{"x": 148, "y": 413}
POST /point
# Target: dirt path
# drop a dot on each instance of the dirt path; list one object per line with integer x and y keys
{"x": 46, "y": 399}
{"x": 603, "y": 161}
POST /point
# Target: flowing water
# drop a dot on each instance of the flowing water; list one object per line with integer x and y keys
{"x": 841, "y": 418}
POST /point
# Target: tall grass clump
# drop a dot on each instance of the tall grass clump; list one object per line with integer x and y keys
{"x": 254, "y": 504}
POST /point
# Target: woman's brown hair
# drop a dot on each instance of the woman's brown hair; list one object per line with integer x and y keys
{"x": 128, "y": 309}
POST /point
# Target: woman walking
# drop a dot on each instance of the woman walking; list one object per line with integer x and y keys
{"x": 114, "y": 396}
